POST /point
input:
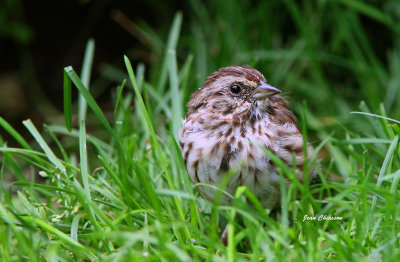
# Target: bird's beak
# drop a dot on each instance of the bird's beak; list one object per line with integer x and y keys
{"x": 264, "y": 90}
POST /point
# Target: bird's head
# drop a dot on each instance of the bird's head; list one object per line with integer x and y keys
{"x": 231, "y": 88}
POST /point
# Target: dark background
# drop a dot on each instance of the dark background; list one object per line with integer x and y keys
{"x": 38, "y": 39}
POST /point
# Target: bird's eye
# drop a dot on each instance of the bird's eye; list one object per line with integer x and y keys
{"x": 235, "y": 89}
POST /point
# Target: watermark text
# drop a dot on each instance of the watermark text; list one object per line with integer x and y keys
{"x": 322, "y": 218}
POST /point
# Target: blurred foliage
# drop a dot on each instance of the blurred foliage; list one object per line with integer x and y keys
{"x": 12, "y": 24}
{"x": 313, "y": 50}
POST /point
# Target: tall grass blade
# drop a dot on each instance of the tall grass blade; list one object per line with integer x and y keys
{"x": 383, "y": 170}
{"x": 171, "y": 45}
{"x": 176, "y": 99}
{"x": 85, "y": 76}
{"x": 67, "y": 102}
{"x": 84, "y": 158}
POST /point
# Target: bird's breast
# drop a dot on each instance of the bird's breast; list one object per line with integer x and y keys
{"x": 211, "y": 149}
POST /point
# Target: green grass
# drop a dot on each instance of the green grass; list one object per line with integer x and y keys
{"x": 120, "y": 190}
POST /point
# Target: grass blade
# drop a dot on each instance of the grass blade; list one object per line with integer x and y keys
{"x": 171, "y": 45}
{"x": 67, "y": 102}
{"x": 88, "y": 97}
{"x": 83, "y": 158}
{"x": 383, "y": 171}
{"x": 85, "y": 76}
{"x": 177, "y": 99}
{"x": 374, "y": 115}
{"x": 14, "y": 133}
{"x": 39, "y": 139}
{"x": 119, "y": 97}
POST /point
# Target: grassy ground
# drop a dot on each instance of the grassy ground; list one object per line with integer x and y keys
{"x": 121, "y": 191}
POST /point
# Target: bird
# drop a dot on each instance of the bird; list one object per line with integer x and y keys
{"x": 231, "y": 120}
